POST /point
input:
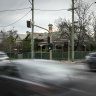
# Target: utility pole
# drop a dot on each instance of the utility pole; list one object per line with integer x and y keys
{"x": 72, "y": 30}
{"x": 50, "y": 35}
{"x": 32, "y": 35}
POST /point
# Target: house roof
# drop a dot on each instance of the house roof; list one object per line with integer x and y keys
{"x": 22, "y": 36}
{"x": 38, "y": 35}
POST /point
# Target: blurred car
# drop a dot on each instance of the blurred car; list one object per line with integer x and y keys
{"x": 91, "y": 61}
{"x": 3, "y": 56}
{"x": 41, "y": 78}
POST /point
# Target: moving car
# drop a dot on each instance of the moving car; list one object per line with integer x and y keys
{"x": 3, "y": 56}
{"x": 91, "y": 61}
{"x": 43, "y": 78}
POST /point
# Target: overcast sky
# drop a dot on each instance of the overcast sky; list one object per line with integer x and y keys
{"x": 42, "y": 18}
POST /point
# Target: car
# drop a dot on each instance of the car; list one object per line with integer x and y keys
{"x": 43, "y": 78}
{"x": 33, "y": 78}
{"x": 3, "y": 56}
{"x": 91, "y": 61}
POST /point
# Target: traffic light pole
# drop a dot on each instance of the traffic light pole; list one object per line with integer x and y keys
{"x": 50, "y": 34}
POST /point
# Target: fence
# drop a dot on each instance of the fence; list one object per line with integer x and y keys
{"x": 55, "y": 55}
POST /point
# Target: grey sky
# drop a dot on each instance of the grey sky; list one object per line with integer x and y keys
{"x": 42, "y": 18}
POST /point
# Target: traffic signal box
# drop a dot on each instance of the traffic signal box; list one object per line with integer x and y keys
{"x": 50, "y": 46}
{"x": 29, "y": 24}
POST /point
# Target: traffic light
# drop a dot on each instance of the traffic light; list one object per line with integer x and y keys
{"x": 50, "y": 46}
{"x": 29, "y": 24}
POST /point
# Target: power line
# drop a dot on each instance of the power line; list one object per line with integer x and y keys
{"x": 29, "y": 8}
{"x": 17, "y": 20}
{"x": 51, "y": 10}
{"x": 14, "y": 10}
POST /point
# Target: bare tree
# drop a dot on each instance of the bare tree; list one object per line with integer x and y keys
{"x": 64, "y": 27}
{"x": 83, "y": 36}
{"x": 12, "y": 32}
{"x": 84, "y": 18}
{"x": 94, "y": 25}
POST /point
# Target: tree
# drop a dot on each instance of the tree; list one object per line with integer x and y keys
{"x": 84, "y": 19}
{"x": 12, "y": 32}
{"x": 26, "y": 46}
{"x": 94, "y": 26}
{"x": 82, "y": 30}
{"x": 64, "y": 27}
{"x": 8, "y": 44}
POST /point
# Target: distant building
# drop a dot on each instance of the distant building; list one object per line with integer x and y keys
{"x": 19, "y": 38}
{"x": 60, "y": 39}
{"x": 37, "y": 36}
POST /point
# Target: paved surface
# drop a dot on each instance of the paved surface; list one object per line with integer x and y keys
{"x": 84, "y": 81}
{"x": 77, "y": 64}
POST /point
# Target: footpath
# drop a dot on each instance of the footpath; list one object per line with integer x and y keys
{"x": 75, "y": 61}
{"x": 78, "y": 64}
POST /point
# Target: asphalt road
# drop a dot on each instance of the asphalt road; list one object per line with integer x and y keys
{"x": 84, "y": 81}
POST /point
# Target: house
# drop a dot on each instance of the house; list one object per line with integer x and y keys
{"x": 60, "y": 39}
{"x": 19, "y": 38}
{"x": 37, "y": 36}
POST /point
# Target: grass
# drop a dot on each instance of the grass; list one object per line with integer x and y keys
{"x": 12, "y": 59}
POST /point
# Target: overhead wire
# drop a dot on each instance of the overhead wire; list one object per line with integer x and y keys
{"x": 27, "y": 13}
{"x": 34, "y": 9}
{"x": 51, "y": 10}
{"x": 13, "y": 10}
{"x": 17, "y": 20}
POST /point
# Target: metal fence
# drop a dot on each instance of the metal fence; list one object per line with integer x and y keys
{"x": 45, "y": 55}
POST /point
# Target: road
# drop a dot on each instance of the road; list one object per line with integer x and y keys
{"x": 84, "y": 81}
